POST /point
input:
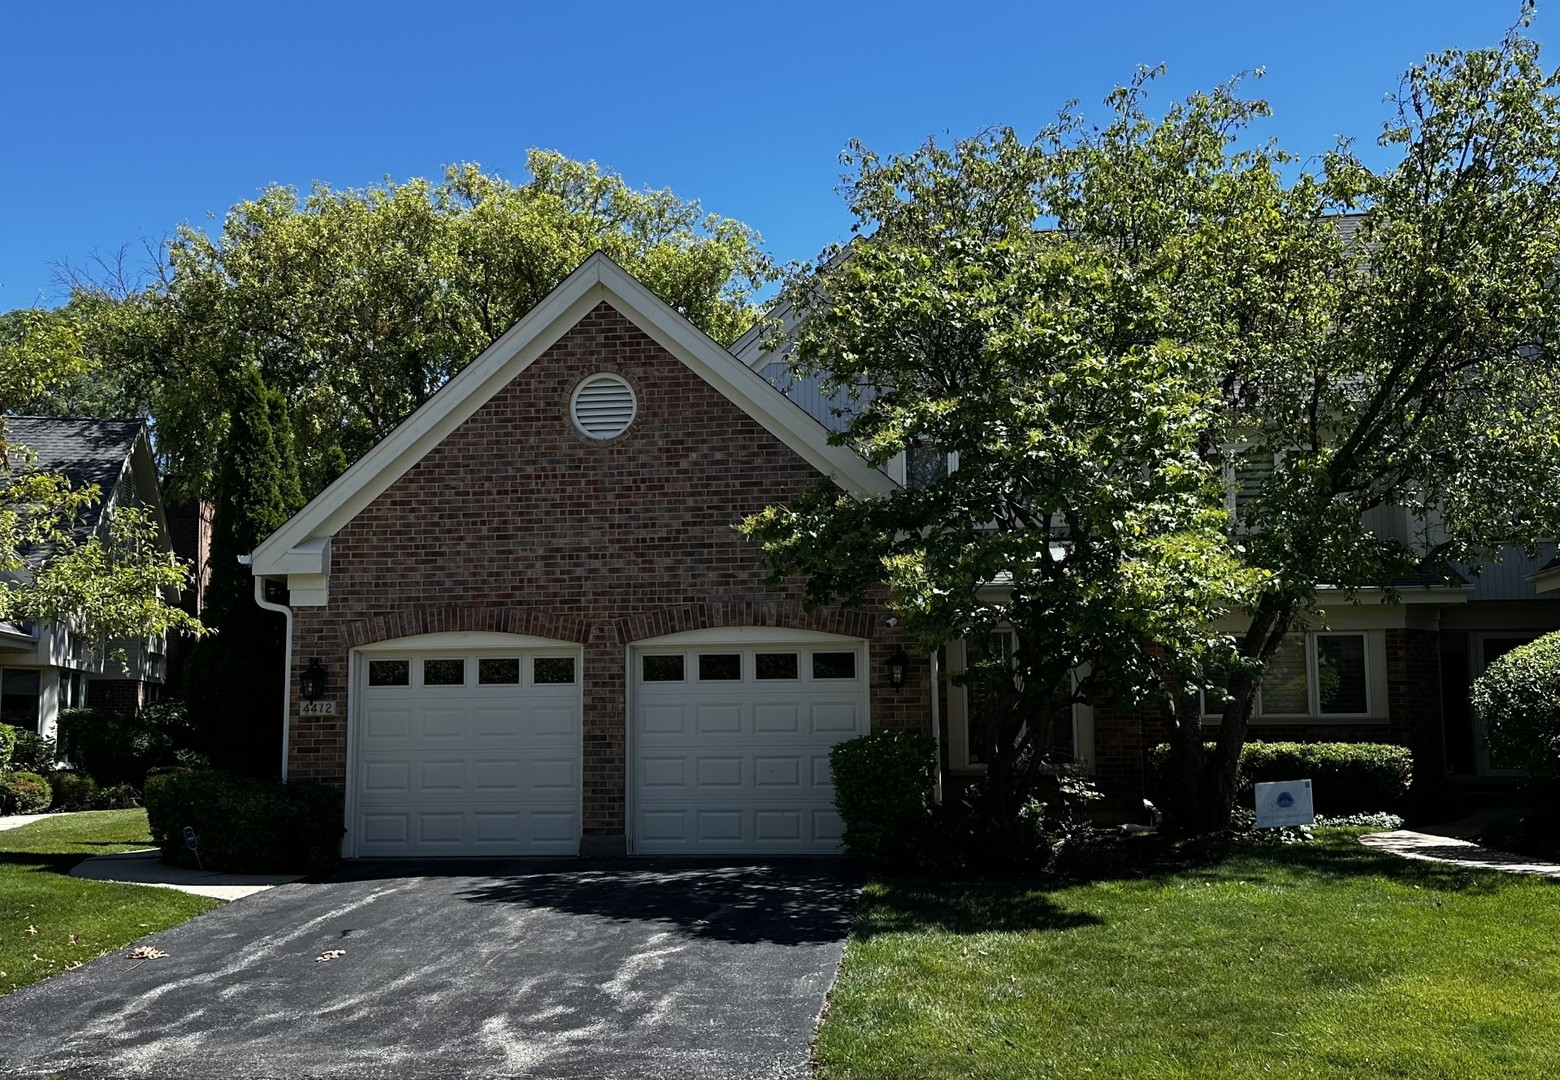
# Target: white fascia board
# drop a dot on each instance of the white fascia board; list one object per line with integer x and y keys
{"x": 598, "y": 279}
{"x": 1547, "y": 580}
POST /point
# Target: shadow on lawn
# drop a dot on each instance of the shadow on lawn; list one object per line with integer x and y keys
{"x": 971, "y": 907}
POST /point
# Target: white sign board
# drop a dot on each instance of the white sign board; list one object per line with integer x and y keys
{"x": 1286, "y": 803}
{"x": 316, "y": 708}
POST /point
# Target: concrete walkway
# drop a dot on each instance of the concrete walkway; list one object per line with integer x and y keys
{"x": 146, "y": 868}
{"x": 16, "y": 821}
{"x": 1447, "y": 845}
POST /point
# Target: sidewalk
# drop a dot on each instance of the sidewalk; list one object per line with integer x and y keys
{"x": 145, "y": 868}
{"x": 1446, "y": 845}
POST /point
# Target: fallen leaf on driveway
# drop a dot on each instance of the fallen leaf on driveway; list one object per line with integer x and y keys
{"x": 145, "y": 952}
{"x": 329, "y": 954}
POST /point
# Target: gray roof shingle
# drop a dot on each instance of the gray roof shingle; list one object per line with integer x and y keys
{"x": 83, "y": 451}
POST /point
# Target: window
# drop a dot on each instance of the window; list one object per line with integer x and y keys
{"x": 1314, "y": 675}
{"x": 444, "y": 673}
{"x": 553, "y": 670}
{"x": 1340, "y": 675}
{"x": 720, "y": 667}
{"x": 19, "y": 697}
{"x": 662, "y": 668}
{"x": 389, "y": 672}
{"x": 776, "y": 665}
{"x": 500, "y": 672}
{"x": 1072, "y": 730}
{"x": 834, "y": 665}
{"x": 925, "y": 466}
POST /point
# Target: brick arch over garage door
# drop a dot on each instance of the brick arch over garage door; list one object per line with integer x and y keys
{"x": 784, "y": 614}
{"x": 472, "y": 618}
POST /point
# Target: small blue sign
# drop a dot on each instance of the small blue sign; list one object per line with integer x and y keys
{"x": 1285, "y": 800}
{"x": 190, "y": 841}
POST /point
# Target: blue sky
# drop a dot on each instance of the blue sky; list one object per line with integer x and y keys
{"x": 119, "y": 121}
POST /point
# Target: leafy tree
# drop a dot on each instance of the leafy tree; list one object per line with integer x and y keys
{"x": 1080, "y": 515}
{"x": 358, "y": 304}
{"x": 232, "y": 685}
{"x": 108, "y": 584}
{"x": 1399, "y": 369}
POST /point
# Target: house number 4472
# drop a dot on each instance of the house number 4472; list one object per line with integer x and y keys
{"x": 316, "y": 708}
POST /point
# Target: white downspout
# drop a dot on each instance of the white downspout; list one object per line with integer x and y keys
{"x": 286, "y": 613}
{"x": 937, "y": 788}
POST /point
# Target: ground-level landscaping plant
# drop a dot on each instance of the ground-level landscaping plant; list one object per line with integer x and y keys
{"x": 1518, "y": 698}
{"x": 1346, "y": 778}
{"x": 33, "y": 752}
{"x": 883, "y": 784}
{"x": 23, "y": 792}
{"x": 115, "y": 748}
{"x": 243, "y": 824}
{"x": 51, "y": 922}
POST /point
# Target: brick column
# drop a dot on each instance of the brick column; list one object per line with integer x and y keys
{"x": 1414, "y": 701}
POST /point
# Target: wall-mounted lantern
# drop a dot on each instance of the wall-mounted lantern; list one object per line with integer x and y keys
{"x": 312, "y": 681}
{"x": 898, "y": 666}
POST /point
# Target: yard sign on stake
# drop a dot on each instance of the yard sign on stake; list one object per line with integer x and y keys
{"x": 1285, "y": 803}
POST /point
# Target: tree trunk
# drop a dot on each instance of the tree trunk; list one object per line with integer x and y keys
{"x": 1204, "y": 785}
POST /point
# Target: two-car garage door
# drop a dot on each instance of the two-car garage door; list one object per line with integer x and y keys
{"x": 478, "y": 751}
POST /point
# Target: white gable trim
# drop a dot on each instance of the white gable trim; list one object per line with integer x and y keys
{"x": 301, "y": 546}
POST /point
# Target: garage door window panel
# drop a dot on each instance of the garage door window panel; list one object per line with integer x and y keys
{"x": 663, "y": 668}
{"x": 553, "y": 670}
{"x": 444, "y": 673}
{"x": 389, "y": 673}
{"x": 773, "y": 666}
{"x": 498, "y": 672}
{"x": 833, "y": 665}
{"x": 720, "y": 667}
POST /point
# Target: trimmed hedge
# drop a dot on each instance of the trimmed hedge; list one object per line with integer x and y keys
{"x": 1518, "y": 697}
{"x": 883, "y": 786}
{"x": 1346, "y": 778}
{"x": 24, "y": 793}
{"x": 72, "y": 790}
{"x": 244, "y": 825}
{"x": 7, "y": 745}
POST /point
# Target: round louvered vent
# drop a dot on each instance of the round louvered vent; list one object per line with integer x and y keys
{"x": 603, "y": 406}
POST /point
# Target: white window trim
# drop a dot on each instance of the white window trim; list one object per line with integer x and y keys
{"x": 1313, "y": 688}
{"x": 896, "y": 466}
{"x": 959, "y": 719}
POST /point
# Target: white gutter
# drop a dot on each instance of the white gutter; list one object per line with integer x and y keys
{"x": 937, "y": 787}
{"x": 286, "y": 613}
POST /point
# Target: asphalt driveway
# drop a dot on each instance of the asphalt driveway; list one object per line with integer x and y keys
{"x": 566, "y": 970}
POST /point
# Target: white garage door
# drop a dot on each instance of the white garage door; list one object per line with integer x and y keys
{"x": 474, "y": 753}
{"x": 731, "y": 744}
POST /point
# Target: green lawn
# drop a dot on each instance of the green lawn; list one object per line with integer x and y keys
{"x": 1314, "y": 960}
{"x": 50, "y": 921}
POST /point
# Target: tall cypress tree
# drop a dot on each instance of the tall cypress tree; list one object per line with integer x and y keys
{"x": 234, "y": 679}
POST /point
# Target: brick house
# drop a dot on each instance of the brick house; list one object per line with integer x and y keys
{"x": 540, "y": 634}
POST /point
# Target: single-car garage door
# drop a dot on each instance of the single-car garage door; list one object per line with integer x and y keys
{"x": 731, "y": 742}
{"x": 466, "y": 753}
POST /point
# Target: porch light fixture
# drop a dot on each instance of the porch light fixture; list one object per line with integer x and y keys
{"x": 312, "y": 681}
{"x": 898, "y": 665}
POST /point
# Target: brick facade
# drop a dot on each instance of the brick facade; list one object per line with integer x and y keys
{"x": 1414, "y": 699}
{"x": 518, "y": 523}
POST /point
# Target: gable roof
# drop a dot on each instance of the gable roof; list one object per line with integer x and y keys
{"x": 84, "y": 451}
{"x": 301, "y": 545}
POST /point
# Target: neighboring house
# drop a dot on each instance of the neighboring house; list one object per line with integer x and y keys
{"x": 46, "y": 667}
{"x": 539, "y": 633}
